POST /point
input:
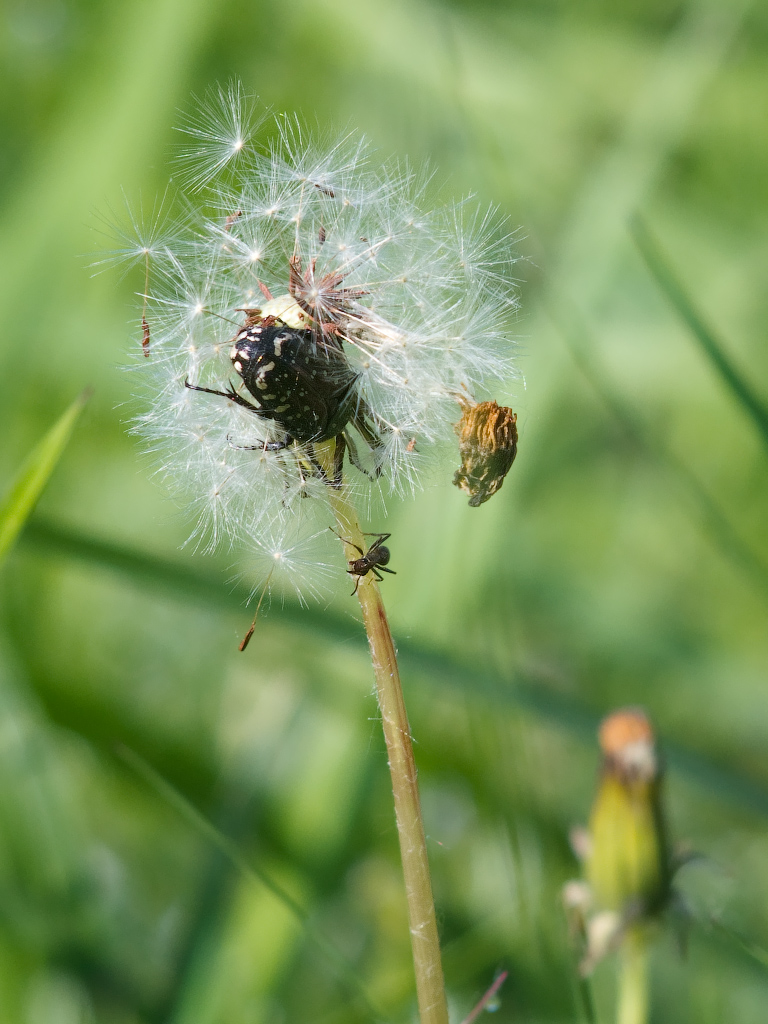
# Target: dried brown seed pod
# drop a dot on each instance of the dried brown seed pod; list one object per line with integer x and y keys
{"x": 487, "y": 445}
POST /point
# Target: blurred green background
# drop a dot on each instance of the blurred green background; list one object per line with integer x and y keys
{"x": 625, "y": 560}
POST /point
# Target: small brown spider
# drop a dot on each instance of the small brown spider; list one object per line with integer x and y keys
{"x": 373, "y": 560}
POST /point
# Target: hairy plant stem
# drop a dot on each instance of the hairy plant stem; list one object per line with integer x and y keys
{"x": 428, "y": 969}
{"x": 633, "y": 982}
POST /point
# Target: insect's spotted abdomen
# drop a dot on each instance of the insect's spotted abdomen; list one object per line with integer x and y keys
{"x": 306, "y": 387}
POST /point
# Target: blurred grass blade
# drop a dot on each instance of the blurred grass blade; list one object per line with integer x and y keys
{"x": 172, "y": 796}
{"x": 521, "y": 691}
{"x": 752, "y": 950}
{"x": 21, "y": 498}
{"x": 718, "y": 526}
{"x": 673, "y": 289}
{"x": 345, "y": 972}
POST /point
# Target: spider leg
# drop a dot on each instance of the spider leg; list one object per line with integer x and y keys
{"x": 383, "y": 568}
{"x": 382, "y": 537}
{"x": 352, "y": 572}
{"x": 231, "y": 394}
{"x": 352, "y": 545}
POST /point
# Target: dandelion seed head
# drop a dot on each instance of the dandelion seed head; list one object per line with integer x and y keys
{"x": 411, "y": 305}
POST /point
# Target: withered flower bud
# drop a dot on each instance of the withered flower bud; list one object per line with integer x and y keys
{"x": 487, "y": 445}
{"x": 629, "y": 865}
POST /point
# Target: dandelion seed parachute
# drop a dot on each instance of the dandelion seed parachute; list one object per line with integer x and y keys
{"x": 316, "y": 233}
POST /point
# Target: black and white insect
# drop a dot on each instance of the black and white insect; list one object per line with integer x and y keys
{"x": 299, "y": 377}
{"x": 374, "y": 560}
{"x": 302, "y": 383}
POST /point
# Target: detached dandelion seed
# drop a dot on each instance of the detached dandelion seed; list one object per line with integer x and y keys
{"x": 308, "y": 326}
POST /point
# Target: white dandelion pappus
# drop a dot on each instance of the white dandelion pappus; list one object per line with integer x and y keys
{"x": 338, "y": 303}
{"x": 293, "y": 558}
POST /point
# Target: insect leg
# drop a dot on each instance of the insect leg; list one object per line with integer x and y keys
{"x": 368, "y": 433}
{"x": 318, "y": 469}
{"x": 338, "y": 460}
{"x": 231, "y": 394}
{"x": 354, "y": 458}
{"x": 265, "y": 446}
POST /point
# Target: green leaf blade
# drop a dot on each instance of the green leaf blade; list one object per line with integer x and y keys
{"x": 671, "y": 286}
{"x": 19, "y": 501}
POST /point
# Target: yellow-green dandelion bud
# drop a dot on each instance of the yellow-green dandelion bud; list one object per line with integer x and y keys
{"x": 628, "y": 864}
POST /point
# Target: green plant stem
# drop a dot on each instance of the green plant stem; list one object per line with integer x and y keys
{"x": 428, "y": 969}
{"x": 633, "y": 983}
{"x": 587, "y": 1000}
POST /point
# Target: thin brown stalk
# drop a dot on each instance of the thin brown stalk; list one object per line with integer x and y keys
{"x": 489, "y": 996}
{"x": 430, "y": 988}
